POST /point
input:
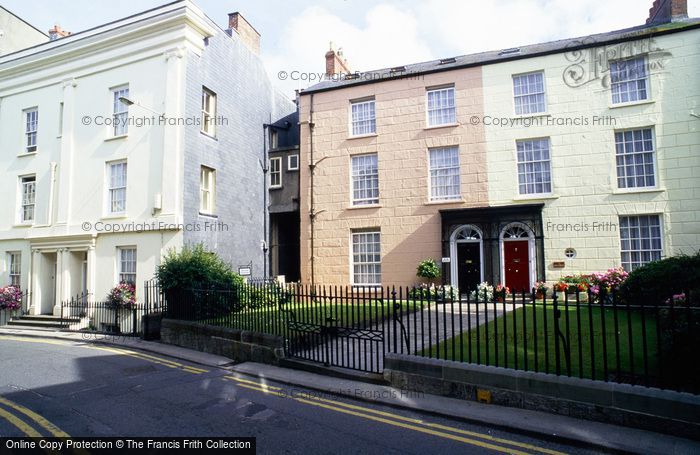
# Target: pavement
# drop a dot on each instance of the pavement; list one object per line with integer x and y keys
{"x": 538, "y": 424}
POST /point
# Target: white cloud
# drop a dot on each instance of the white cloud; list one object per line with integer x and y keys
{"x": 388, "y": 37}
{"x": 466, "y": 27}
{"x": 423, "y": 30}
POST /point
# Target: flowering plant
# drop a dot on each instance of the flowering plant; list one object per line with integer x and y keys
{"x": 484, "y": 292}
{"x": 541, "y": 286}
{"x": 122, "y": 295}
{"x": 561, "y": 286}
{"x": 10, "y": 298}
{"x": 606, "y": 282}
{"x": 425, "y": 291}
{"x": 501, "y": 289}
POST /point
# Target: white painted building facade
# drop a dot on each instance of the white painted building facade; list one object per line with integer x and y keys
{"x": 87, "y": 204}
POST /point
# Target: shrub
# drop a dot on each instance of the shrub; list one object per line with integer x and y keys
{"x": 195, "y": 267}
{"x": 657, "y": 281}
{"x": 428, "y": 269}
{"x": 10, "y": 298}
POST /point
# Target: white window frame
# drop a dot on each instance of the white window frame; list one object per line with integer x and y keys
{"x": 439, "y": 172}
{"x": 115, "y": 188}
{"x": 276, "y": 172}
{"x": 357, "y": 126}
{"x": 209, "y": 106}
{"x": 631, "y": 78}
{"x": 31, "y": 128}
{"x": 14, "y": 268}
{"x": 27, "y": 198}
{"x": 121, "y": 261}
{"x": 362, "y": 175}
{"x": 520, "y": 108}
{"x": 527, "y": 174}
{"x": 120, "y": 111}
{"x": 446, "y": 113}
{"x": 207, "y": 190}
{"x": 648, "y": 158}
{"x": 294, "y": 167}
{"x": 653, "y": 253}
{"x": 373, "y": 267}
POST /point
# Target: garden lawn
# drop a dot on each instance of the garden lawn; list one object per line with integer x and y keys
{"x": 269, "y": 319}
{"x": 517, "y": 340}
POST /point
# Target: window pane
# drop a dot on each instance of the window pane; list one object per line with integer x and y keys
{"x": 441, "y": 106}
{"x": 528, "y": 90}
{"x": 640, "y": 240}
{"x": 628, "y": 80}
{"x": 366, "y": 258}
{"x": 365, "y": 180}
{"x": 444, "y": 174}
{"x": 635, "y": 158}
{"x": 534, "y": 168}
{"x": 363, "y": 118}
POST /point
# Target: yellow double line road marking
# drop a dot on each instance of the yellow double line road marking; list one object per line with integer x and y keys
{"x": 115, "y": 350}
{"x": 23, "y": 426}
{"x": 456, "y": 434}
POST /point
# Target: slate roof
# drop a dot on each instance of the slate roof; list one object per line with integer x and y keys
{"x": 502, "y": 55}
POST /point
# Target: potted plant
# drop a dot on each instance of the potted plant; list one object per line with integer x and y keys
{"x": 122, "y": 295}
{"x": 540, "y": 289}
{"x": 499, "y": 292}
{"x": 428, "y": 270}
{"x": 561, "y": 286}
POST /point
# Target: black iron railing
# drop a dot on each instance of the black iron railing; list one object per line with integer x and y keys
{"x": 599, "y": 337}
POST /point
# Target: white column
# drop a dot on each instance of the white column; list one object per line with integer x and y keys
{"x": 91, "y": 272}
{"x": 33, "y": 285}
{"x": 65, "y": 163}
{"x": 171, "y": 167}
{"x": 62, "y": 279}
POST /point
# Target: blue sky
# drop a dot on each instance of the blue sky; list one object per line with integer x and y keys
{"x": 373, "y": 34}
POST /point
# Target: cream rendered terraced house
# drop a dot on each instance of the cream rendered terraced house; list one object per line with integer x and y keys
{"x": 87, "y": 203}
{"x": 511, "y": 166}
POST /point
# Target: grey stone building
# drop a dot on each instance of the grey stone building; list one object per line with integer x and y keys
{"x": 229, "y": 79}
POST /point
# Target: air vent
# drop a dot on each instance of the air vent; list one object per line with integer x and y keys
{"x": 511, "y": 51}
{"x": 398, "y": 69}
{"x": 351, "y": 76}
{"x": 445, "y": 61}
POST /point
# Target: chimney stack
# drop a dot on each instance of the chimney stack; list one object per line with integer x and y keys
{"x": 336, "y": 63}
{"x": 663, "y": 11}
{"x": 56, "y": 32}
{"x": 249, "y": 36}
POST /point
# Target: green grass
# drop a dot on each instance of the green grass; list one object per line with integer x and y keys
{"x": 527, "y": 342}
{"x": 269, "y": 319}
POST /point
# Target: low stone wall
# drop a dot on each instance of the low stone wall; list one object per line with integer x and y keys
{"x": 238, "y": 345}
{"x": 622, "y": 404}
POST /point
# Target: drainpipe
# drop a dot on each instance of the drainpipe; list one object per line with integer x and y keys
{"x": 264, "y": 165}
{"x": 312, "y": 167}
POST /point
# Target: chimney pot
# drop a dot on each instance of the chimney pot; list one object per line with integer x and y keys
{"x": 336, "y": 62}
{"x": 56, "y": 32}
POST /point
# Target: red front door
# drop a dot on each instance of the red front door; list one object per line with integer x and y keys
{"x": 517, "y": 265}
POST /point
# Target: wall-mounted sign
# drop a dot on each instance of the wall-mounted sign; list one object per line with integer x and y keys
{"x": 446, "y": 260}
{"x": 244, "y": 271}
{"x": 558, "y": 264}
